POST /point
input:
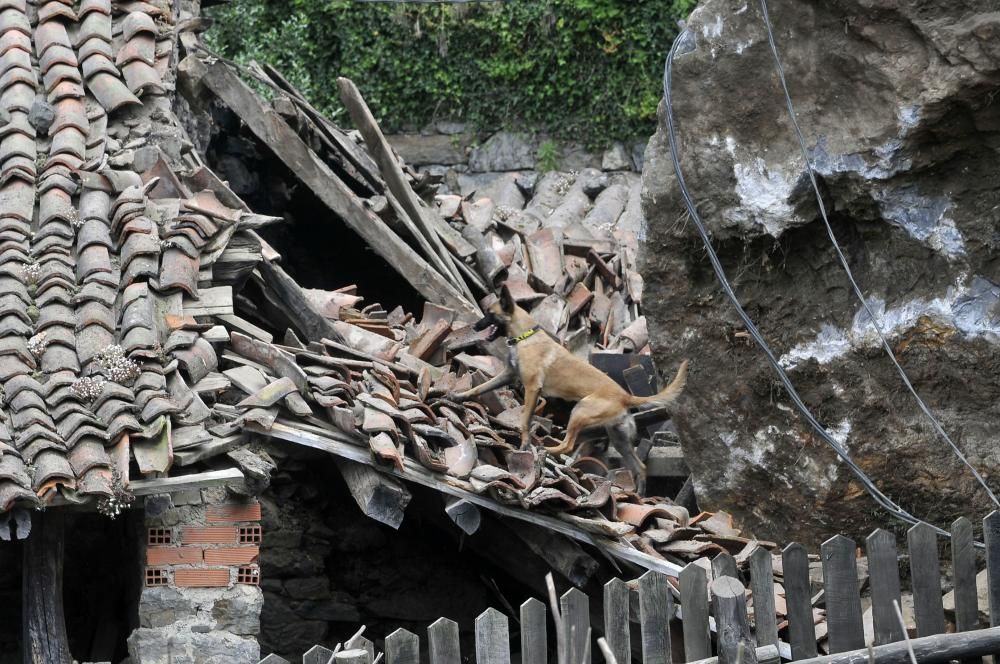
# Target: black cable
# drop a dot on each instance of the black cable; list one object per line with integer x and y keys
{"x": 887, "y": 503}
{"x": 843, "y": 261}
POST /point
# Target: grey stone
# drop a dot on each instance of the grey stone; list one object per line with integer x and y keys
{"x": 283, "y": 563}
{"x": 160, "y": 606}
{"x": 503, "y": 151}
{"x": 156, "y": 505}
{"x": 182, "y": 646}
{"x": 897, "y": 172}
{"x": 616, "y": 158}
{"x": 638, "y": 153}
{"x": 983, "y": 594}
{"x": 526, "y": 182}
{"x": 41, "y": 115}
{"x": 238, "y": 610}
{"x": 450, "y": 128}
{"x": 331, "y": 610}
{"x": 192, "y": 497}
{"x": 576, "y": 157}
{"x": 201, "y": 628}
{"x": 594, "y": 184}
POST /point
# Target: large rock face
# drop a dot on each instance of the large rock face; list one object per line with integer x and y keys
{"x": 897, "y": 103}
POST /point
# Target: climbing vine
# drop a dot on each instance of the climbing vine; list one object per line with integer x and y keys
{"x": 583, "y": 69}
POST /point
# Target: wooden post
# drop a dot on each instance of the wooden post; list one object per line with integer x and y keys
{"x": 883, "y": 568}
{"x": 353, "y": 656}
{"x": 442, "y": 641}
{"x": 616, "y": 626}
{"x": 655, "y": 610}
{"x": 732, "y": 625}
{"x": 380, "y": 497}
{"x": 402, "y": 647}
{"x": 694, "y": 602}
{"x": 765, "y": 620}
{"x": 317, "y": 655}
{"x": 492, "y": 638}
{"x": 925, "y": 570}
{"x": 44, "y": 638}
{"x": 991, "y": 537}
{"x": 843, "y": 604}
{"x": 801, "y": 629}
{"x": 534, "y": 641}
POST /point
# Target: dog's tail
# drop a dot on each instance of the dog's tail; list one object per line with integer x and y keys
{"x": 668, "y": 394}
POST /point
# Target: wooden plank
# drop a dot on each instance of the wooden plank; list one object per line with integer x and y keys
{"x": 843, "y": 604}
{"x": 991, "y": 538}
{"x": 935, "y": 649}
{"x": 195, "y": 453}
{"x": 443, "y": 643}
{"x": 274, "y": 659}
{"x": 227, "y": 477}
{"x": 402, "y": 647}
{"x": 883, "y": 570}
{"x": 963, "y": 563}
{"x": 534, "y": 641}
{"x": 694, "y": 598}
{"x": 293, "y": 303}
{"x": 43, "y": 629}
{"x": 798, "y": 596}
{"x": 349, "y": 446}
{"x": 317, "y": 655}
{"x": 765, "y": 655}
{"x": 925, "y": 572}
{"x": 574, "y": 606}
{"x": 655, "y": 610}
{"x": 380, "y": 497}
{"x": 395, "y": 180}
{"x": 216, "y": 301}
{"x": 272, "y": 129}
{"x": 762, "y": 586}
{"x": 492, "y": 638}
{"x": 724, "y": 565}
{"x": 729, "y": 600}
{"x": 616, "y": 625}
{"x": 249, "y": 329}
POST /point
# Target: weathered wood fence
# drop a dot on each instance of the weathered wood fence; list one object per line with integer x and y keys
{"x": 715, "y": 604}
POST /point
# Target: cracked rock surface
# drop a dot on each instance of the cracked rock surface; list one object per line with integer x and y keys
{"x": 896, "y": 101}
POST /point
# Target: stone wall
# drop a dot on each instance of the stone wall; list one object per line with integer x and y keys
{"x": 451, "y": 150}
{"x": 201, "y": 603}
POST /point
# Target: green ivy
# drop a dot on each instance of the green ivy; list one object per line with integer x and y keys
{"x": 589, "y": 70}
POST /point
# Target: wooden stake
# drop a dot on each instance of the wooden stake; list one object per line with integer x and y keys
{"x": 44, "y": 638}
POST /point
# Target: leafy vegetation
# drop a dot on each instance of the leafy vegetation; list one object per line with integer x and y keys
{"x": 583, "y": 69}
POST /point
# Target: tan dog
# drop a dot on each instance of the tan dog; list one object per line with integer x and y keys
{"x": 546, "y": 368}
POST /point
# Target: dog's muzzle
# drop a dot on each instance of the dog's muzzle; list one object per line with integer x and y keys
{"x": 485, "y": 322}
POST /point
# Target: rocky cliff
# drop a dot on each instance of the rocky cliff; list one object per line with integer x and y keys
{"x": 897, "y": 103}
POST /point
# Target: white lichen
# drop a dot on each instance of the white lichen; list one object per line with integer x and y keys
{"x": 116, "y": 366}
{"x": 88, "y": 388}
{"x": 31, "y": 272}
{"x": 37, "y": 344}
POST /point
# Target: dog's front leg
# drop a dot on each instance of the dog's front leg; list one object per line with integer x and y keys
{"x": 531, "y": 394}
{"x": 498, "y": 381}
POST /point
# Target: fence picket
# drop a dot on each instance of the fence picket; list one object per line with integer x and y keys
{"x": 655, "y": 611}
{"x": 843, "y": 603}
{"x": 362, "y": 643}
{"x": 798, "y": 601}
{"x": 963, "y": 562}
{"x": 765, "y": 621}
{"x": 883, "y": 569}
{"x": 317, "y": 655}
{"x": 402, "y": 647}
{"x": 273, "y": 659}
{"x": 991, "y": 537}
{"x": 492, "y": 638}
{"x": 534, "y": 641}
{"x": 694, "y": 602}
{"x": 724, "y": 565}
{"x": 732, "y": 625}
{"x": 616, "y": 627}
{"x": 925, "y": 572}
{"x": 575, "y": 608}
{"x": 442, "y": 642}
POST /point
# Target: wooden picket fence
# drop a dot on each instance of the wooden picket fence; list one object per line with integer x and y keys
{"x": 719, "y": 608}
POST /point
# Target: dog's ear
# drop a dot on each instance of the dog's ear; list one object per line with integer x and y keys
{"x": 506, "y": 300}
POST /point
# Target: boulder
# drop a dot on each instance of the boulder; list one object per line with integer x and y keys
{"x": 180, "y": 644}
{"x": 894, "y": 100}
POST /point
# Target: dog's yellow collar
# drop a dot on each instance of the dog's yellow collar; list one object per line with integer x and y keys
{"x": 511, "y": 341}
